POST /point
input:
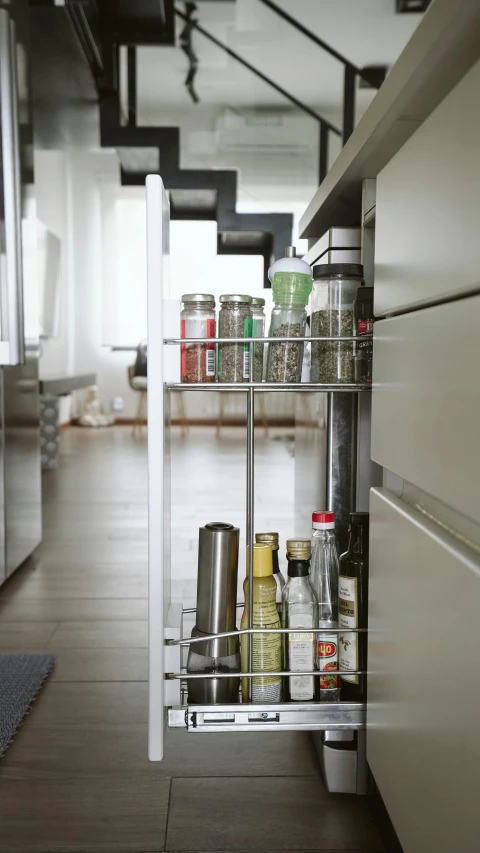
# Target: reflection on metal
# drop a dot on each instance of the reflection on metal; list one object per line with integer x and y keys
{"x": 186, "y": 45}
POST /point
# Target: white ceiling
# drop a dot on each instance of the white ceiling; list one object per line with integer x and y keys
{"x": 368, "y": 32}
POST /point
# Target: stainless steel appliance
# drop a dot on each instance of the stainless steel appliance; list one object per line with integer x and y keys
{"x": 20, "y": 486}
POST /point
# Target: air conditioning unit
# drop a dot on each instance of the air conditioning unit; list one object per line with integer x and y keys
{"x": 266, "y": 130}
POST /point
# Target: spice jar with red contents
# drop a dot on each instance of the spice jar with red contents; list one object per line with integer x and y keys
{"x": 198, "y": 321}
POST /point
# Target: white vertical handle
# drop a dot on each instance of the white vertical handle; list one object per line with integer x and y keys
{"x": 157, "y": 251}
{"x": 15, "y": 353}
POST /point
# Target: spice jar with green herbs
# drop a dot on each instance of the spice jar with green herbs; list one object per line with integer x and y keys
{"x": 333, "y": 296}
{"x": 234, "y": 321}
{"x": 258, "y": 331}
{"x": 291, "y": 286}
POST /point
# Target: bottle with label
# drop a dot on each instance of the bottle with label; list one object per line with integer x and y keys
{"x": 353, "y": 609}
{"x": 300, "y": 611}
{"x": 266, "y": 648}
{"x": 363, "y": 314}
{"x": 272, "y": 540}
{"x": 198, "y": 321}
{"x": 324, "y": 577}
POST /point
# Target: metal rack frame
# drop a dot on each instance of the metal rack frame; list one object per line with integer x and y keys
{"x": 166, "y": 617}
{"x": 292, "y": 715}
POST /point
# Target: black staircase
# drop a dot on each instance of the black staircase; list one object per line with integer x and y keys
{"x": 102, "y": 28}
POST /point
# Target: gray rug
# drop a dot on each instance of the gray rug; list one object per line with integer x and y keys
{"x": 21, "y": 677}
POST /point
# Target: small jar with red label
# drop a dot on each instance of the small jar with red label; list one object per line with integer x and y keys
{"x": 363, "y": 314}
{"x": 198, "y": 321}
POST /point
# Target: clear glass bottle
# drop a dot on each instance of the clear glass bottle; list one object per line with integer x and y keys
{"x": 333, "y": 296}
{"x": 353, "y": 608}
{"x": 234, "y": 321}
{"x": 324, "y": 578}
{"x": 272, "y": 540}
{"x": 267, "y": 648}
{"x": 198, "y": 321}
{"x": 258, "y": 331}
{"x": 299, "y": 611}
{"x": 291, "y": 287}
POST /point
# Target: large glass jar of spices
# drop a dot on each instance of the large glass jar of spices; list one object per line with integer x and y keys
{"x": 291, "y": 287}
{"x": 234, "y": 321}
{"x": 198, "y": 321}
{"x": 333, "y": 296}
{"x": 258, "y": 331}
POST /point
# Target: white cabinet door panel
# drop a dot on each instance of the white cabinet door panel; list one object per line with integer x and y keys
{"x": 426, "y": 401}
{"x": 423, "y": 742}
{"x": 428, "y": 207}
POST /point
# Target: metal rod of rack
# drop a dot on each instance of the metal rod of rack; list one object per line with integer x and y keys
{"x": 171, "y": 676}
{"x": 186, "y": 641}
{"x": 307, "y": 387}
{"x": 250, "y": 504}
{"x": 352, "y": 339}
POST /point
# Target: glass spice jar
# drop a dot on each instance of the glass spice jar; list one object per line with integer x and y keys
{"x": 258, "y": 331}
{"x": 198, "y": 321}
{"x": 333, "y": 296}
{"x": 291, "y": 286}
{"x": 234, "y": 321}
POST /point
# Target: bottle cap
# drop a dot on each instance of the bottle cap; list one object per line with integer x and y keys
{"x": 198, "y": 297}
{"x": 268, "y": 539}
{"x": 323, "y": 520}
{"x": 235, "y": 297}
{"x": 258, "y": 300}
{"x": 262, "y": 560}
{"x": 290, "y": 264}
{"x": 299, "y": 549}
{"x": 332, "y": 270}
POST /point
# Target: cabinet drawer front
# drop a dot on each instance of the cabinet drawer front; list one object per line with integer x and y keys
{"x": 424, "y": 691}
{"x": 428, "y": 207}
{"x": 426, "y": 401}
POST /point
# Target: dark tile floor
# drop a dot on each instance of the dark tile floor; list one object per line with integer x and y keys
{"x": 77, "y": 778}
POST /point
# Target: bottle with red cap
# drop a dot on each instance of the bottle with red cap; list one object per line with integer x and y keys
{"x": 324, "y": 579}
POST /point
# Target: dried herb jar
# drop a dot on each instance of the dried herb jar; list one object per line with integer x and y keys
{"x": 333, "y": 296}
{"x": 258, "y": 331}
{"x": 291, "y": 286}
{"x": 234, "y": 321}
{"x": 198, "y": 321}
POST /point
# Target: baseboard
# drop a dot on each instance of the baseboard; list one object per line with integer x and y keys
{"x": 204, "y": 422}
{"x": 66, "y": 425}
{"x": 233, "y": 422}
{"x": 381, "y": 818}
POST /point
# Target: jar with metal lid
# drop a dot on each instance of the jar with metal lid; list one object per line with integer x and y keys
{"x": 333, "y": 296}
{"x": 198, "y": 321}
{"x": 258, "y": 331}
{"x": 291, "y": 286}
{"x": 234, "y": 321}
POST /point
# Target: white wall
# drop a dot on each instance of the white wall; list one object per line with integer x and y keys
{"x": 69, "y": 188}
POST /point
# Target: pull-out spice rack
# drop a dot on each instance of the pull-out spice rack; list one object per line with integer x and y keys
{"x": 168, "y": 680}
{"x": 246, "y": 716}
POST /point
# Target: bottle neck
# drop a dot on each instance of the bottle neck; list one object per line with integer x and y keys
{"x": 298, "y": 568}
{"x": 358, "y": 541}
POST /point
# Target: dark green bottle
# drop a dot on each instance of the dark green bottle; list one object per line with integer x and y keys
{"x": 353, "y": 609}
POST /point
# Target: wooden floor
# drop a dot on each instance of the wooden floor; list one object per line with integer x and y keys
{"x": 77, "y": 777}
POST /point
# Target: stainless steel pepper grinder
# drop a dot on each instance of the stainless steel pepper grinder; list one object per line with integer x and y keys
{"x": 216, "y": 613}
